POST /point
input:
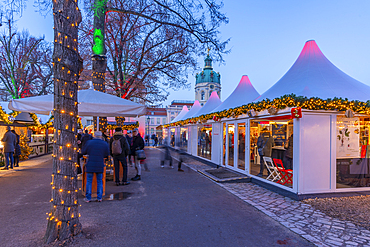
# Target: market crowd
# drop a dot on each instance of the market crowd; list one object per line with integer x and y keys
{"x": 122, "y": 148}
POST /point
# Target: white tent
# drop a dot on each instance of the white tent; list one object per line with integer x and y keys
{"x": 213, "y": 102}
{"x": 243, "y": 94}
{"x": 194, "y": 109}
{"x": 181, "y": 114}
{"x": 313, "y": 75}
{"x": 91, "y": 103}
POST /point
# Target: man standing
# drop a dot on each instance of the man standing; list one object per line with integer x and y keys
{"x": 98, "y": 150}
{"x": 137, "y": 143}
{"x": 9, "y": 142}
{"x": 119, "y": 149}
{"x": 265, "y": 143}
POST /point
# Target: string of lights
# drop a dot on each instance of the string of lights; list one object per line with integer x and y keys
{"x": 314, "y": 103}
{"x": 67, "y": 68}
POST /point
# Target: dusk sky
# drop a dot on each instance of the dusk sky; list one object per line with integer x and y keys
{"x": 267, "y": 37}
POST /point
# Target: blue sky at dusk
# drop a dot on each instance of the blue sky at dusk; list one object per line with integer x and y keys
{"x": 267, "y": 37}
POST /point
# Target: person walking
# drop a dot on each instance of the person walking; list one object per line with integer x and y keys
{"x": 98, "y": 150}
{"x": 129, "y": 139}
{"x": 9, "y": 142}
{"x": 137, "y": 143}
{"x": 119, "y": 149}
{"x": 167, "y": 156}
{"x": 156, "y": 141}
{"x": 17, "y": 149}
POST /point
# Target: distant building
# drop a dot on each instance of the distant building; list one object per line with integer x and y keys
{"x": 153, "y": 118}
{"x": 175, "y": 108}
{"x": 206, "y": 82}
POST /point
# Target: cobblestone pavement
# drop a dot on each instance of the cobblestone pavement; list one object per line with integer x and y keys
{"x": 299, "y": 217}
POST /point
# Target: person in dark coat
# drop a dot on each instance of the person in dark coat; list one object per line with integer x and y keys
{"x": 17, "y": 150}
{"x": 9, "y": 142}
{"x": 137, "y": 143}
{"x": 264, "y": 145}
{"x": 98, "y": 150}
{"x": 117, "y": 158}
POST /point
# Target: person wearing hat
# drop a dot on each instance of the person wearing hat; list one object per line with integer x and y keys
{"x": 119, "y": 149}
{"x": 137, "y": 143}
{"x": 98, "y": 150}
{"x": 9, "y": 142}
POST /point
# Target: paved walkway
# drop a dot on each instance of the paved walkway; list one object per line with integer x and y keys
{"x": 299, "y": 217}
{"x": 26, "y": 164}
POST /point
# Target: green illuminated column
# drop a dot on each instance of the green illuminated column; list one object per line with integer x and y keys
{"x": 99, "y": 62}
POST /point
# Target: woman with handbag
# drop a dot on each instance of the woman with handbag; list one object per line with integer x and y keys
{"x": 137, "y": 144}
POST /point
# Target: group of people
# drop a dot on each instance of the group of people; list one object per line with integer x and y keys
{"x": 12, "y": 149}
{"x": 119, "y": 147}
{"x": 155, "y": 140}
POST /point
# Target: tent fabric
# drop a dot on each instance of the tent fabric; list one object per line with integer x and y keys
{"x": 181, "y": 114}
{"x": 91, "y": 103}
{"x": 243, "y": 94}
{"x": 313, "y": 75}
{"x": 194, "y": 109}
{"x": 42, "y": 118}
{"x": 213, "y": 102}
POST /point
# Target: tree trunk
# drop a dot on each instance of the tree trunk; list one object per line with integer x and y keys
{"x": 99, "y": 60}
{"x": 63, "y": 220}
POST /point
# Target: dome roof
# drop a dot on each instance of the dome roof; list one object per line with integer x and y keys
{"x": 207, "y": 74}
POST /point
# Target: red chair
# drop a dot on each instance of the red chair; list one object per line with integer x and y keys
{"x": 286, "y": 174}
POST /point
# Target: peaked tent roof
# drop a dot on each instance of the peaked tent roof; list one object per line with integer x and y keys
{"x": 181, "y": 114}
{"x": 313, "y": 75}
{"x": 243, "y": 94}
{"x": 194, "y": 109}
{"x": 213, "y": 102}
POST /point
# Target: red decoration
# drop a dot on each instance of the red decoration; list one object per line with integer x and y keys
{"x": 296, "y": 112}
{"x": 215, "y": 118}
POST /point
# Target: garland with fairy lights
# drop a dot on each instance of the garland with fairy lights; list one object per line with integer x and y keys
{"x": 124, "y": 127}
{"x": 291, "y": 100}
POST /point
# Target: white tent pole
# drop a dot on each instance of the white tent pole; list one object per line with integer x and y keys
{"x": 97, "y": 123}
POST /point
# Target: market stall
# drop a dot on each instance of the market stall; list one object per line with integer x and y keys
{"x": 316, "y": 111}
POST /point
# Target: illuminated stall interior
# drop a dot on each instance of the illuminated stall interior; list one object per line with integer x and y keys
{"x": 172, "y": 137}
{"x": 279, "y": 129}
{"x": 184, "y": 136}
{"x": 205, "y": 140}
{"x": 352, "y": 151}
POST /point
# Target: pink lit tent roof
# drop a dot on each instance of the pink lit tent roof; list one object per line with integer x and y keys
{"x": 194, "y": 109}
{"x": 181, "y": 114}
{"x": 313, "y": 75}
{"x": 243, "y": 94}
{"x": 213, "y": 102}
